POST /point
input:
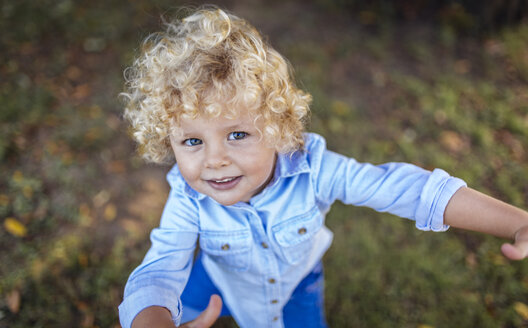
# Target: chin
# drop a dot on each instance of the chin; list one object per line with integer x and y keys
{"x": 226, "y": 202}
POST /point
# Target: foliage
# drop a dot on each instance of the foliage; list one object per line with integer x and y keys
{"x": 463, "y": 16}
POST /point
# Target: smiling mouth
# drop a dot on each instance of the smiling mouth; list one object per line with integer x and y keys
{"x": 225, "y": 183}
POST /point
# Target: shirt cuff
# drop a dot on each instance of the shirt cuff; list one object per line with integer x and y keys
{"x": 436, "y": 203}
{"x": 146, "y": 297}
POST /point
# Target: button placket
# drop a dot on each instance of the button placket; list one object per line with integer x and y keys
{"x": 272, "y": 286}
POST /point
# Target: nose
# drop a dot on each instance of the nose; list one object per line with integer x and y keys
{"x": 216, "y": 156}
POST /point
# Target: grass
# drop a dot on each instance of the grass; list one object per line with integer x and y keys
{"x": 76, "y": 204}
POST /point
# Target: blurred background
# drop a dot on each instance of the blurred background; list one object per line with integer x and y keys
{"x": 436, "y": 83}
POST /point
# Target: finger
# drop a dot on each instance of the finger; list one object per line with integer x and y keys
{"x": 517, "y": 251}
{"x": 210, "y": 314}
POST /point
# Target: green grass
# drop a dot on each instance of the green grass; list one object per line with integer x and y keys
{"x": 83, "y": 204}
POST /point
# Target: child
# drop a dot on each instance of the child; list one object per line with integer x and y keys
{"x": 252, "y": 189}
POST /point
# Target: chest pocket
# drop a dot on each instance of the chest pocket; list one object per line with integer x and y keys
{"x": 231, "y": 249}
{"x": 295, "y": 235}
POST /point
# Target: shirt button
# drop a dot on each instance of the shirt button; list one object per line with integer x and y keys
{"x": 264, "y": 245}
{"x": 275, "y": 318}
{"x": 271, "y": 280}
{"x": 225, "y": 247}
{"x": 274, "y": 301}
{"x": 301, "y": 231}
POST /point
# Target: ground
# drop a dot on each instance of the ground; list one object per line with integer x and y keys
{"x": 77, "y": 202}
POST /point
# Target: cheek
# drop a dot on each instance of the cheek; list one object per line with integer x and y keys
{"x": 261, "y": 161}
{"x": 188, "y": 168}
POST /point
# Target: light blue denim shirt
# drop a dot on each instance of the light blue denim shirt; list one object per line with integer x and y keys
{"x": 259, "y": 251}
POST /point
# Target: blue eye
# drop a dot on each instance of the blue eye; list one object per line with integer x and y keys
{"x": 192, "y": 142}
{"x": 237, "y": 135}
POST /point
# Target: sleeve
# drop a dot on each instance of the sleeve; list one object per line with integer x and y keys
{"x": 161, "y": 277}
{"x": 399, "y": 188}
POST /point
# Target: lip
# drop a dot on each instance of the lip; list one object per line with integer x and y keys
{"x": 224, "y": 185}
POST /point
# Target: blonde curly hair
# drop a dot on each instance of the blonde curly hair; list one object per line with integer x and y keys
{"x": 211, "y": 63}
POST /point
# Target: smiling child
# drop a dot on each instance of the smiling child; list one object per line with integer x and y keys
{"x": 252, "y": 189}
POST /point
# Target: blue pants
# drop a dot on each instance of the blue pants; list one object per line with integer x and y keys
{"x": 305, "y": 309}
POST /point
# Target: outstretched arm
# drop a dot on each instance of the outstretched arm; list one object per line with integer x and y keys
{"x": 472, "y": 210}
{"x": 159, "y": 317}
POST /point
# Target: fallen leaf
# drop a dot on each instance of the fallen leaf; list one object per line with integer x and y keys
{"x": 85, "y": 215}
{"x": 134, "y": 229}
{"x": 15, "y": 227}
{"x": 82, "y": 91}
{"x": 462, "y": 66}
{"x": 101, "y": 198}
{"x": 37, "y": 269}
{"x": 110, "y": 212}
{"x": 18, "y": 176}
{"x": 521, "y": 309}
{"x": 340, "y": 108}
{"x": 27, "y": 191}
{"x": 471, "y": 260}
{"x": 73, "y": 73}
{"x": 452, "y": 141}
{"x": 13, "y": 301}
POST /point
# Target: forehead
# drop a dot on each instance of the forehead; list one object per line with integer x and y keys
{"x": 202, "y": 122}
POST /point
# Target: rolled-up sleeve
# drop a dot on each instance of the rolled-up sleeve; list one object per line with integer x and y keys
{"x": 399, "y": 188}
{"x": 162, "y": 275}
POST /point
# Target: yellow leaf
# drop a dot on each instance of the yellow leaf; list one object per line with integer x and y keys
{"x": 85, "y": 217}
{"x": 452, "y": 141}
{"x": 27, "y": 191}
{"x": 498, "y": 259}
{"x": 84, "y": 209}
{"x": 15, "y": 227}
{"x": 110, "y": 212}
{"x": 341, "y": 108}
{"x": 37, "y": 268}
{"x": 101, "y": 198}
{"x": 18, "y": 176}
{"x": 521, "y": 309}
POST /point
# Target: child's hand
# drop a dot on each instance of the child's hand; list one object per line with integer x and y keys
{"x": 208, "y": 316}
{"x": 519, "y": 249}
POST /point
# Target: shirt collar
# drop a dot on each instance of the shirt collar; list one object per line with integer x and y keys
{"x": 291, "y": 164}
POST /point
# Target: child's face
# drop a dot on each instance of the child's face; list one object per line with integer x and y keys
{"x": 225, "y": 159}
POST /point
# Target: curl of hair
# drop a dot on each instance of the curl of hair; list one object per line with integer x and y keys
{"x": 211, "y": 63}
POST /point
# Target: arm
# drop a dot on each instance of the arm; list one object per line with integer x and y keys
{"x": 153, "y": 316}
{"x": 162, "y": 275}
{"x": 160, "y": 317}
{"x": 472, "y": 210}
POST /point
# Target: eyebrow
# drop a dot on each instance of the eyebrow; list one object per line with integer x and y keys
{"x": 245, "y": 125}
{"x": 235, "y": 126}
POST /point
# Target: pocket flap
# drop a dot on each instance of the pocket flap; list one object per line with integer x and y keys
{"x": 225, "y": 243}
{"x": 298, "y": 229}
